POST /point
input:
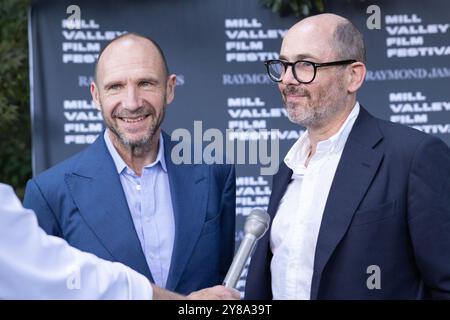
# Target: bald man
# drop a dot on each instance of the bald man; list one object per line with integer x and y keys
{"x": 123, "y": 198}
{"x": 360, "y": 207}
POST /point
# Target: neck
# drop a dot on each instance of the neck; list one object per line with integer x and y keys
{"x": 137, "y": 157}
{"x": 327, "y": 130}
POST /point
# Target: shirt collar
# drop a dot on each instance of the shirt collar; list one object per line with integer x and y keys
{"x": 121, "y": 165}
{"x": 296, "y": 156}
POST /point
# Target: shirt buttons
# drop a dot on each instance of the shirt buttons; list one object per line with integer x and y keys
{"x": 138, "y": 187}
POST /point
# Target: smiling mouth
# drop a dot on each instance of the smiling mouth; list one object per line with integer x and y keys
{"x": 133, "y": 120}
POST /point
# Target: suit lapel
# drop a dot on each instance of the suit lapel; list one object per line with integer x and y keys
{"x": 357, "y": 167}
{"x": 279, "y": 185}
{"x": 188, "y": 190}
{"x": 97, "y": 191}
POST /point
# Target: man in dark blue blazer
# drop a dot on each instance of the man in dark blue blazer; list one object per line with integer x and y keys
{"x": 360, "y": 207}
{"x": 123, "y": 198}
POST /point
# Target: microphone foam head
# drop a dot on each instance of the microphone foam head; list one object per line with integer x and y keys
{"x": 257, "y": 223}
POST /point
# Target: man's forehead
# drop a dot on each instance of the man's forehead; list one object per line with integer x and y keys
{"x": 129, "y": 55}
{"x": 306, "y": 40}
{"x": 129, "y": 47}
{"x": 129, "y": 70}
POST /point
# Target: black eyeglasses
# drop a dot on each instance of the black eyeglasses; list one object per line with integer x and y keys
{"x": 304, "y": 71}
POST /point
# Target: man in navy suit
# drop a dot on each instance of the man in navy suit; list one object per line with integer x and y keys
{"x": 123, "y": 198}
{"x": 360, "y": 207}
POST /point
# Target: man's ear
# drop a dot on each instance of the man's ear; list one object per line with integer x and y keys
{"x": 357, "y": 76}
{"x": 95, "y": 95}
{"x": 170, "y": 88}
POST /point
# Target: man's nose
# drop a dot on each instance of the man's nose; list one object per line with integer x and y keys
{"x": 132, "y": 98}
{"x": 288, "y": 77}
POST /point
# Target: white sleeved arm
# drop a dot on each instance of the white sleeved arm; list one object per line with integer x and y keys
{"x": 34, "y": 265}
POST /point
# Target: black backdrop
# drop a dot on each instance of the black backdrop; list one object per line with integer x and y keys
{"x": 216, "y": 48}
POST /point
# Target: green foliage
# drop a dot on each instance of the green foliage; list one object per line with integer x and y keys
{"x": 300, "y": 8}
{"x": 15, "y": 133}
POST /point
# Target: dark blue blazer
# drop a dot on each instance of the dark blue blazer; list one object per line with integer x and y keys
{"x": 82, "y": 201}
{"x": 389, "y": 206}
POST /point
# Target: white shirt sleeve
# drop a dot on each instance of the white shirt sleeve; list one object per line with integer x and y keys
{"x": 34, "y": 265}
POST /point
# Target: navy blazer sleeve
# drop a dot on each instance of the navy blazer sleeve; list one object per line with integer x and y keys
{"x": 429, "y": 214}
{"x": 35, "y": 200}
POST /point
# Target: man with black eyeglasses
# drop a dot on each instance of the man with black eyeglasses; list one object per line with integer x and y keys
{"x": 360, "y": 207}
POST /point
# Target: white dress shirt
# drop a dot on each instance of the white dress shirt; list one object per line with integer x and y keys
{"x": 34, "y": 265}
{"x": 296, "y": 225}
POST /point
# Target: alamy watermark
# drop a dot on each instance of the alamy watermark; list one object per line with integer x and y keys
{"x": 374, "y": 280}
{"x": 234, "y": 147}
{"x": 73, "y": 282}
{"x": 374, "y": 20}
{"x": 74, "y": 20}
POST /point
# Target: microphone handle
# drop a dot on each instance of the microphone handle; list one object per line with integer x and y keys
{"x": 244, "y": 251}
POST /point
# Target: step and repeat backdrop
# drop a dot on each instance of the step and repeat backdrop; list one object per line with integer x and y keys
{"x": 217, "y": 48}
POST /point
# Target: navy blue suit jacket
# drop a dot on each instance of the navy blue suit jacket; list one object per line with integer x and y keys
{"x": 82, "y": 201}
{"x": 389, "y": 206}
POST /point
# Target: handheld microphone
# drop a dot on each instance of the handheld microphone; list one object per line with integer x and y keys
{"x": 255, "y": 227}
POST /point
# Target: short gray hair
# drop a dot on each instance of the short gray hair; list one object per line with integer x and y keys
{"x": 348, "y": 42}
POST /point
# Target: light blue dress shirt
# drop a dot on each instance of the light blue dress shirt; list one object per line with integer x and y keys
{"x": 150, "y": 205}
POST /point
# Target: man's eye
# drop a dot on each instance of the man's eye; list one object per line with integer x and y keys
{"x": 114, "y": 86}
{"x": 145, "y": 83}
